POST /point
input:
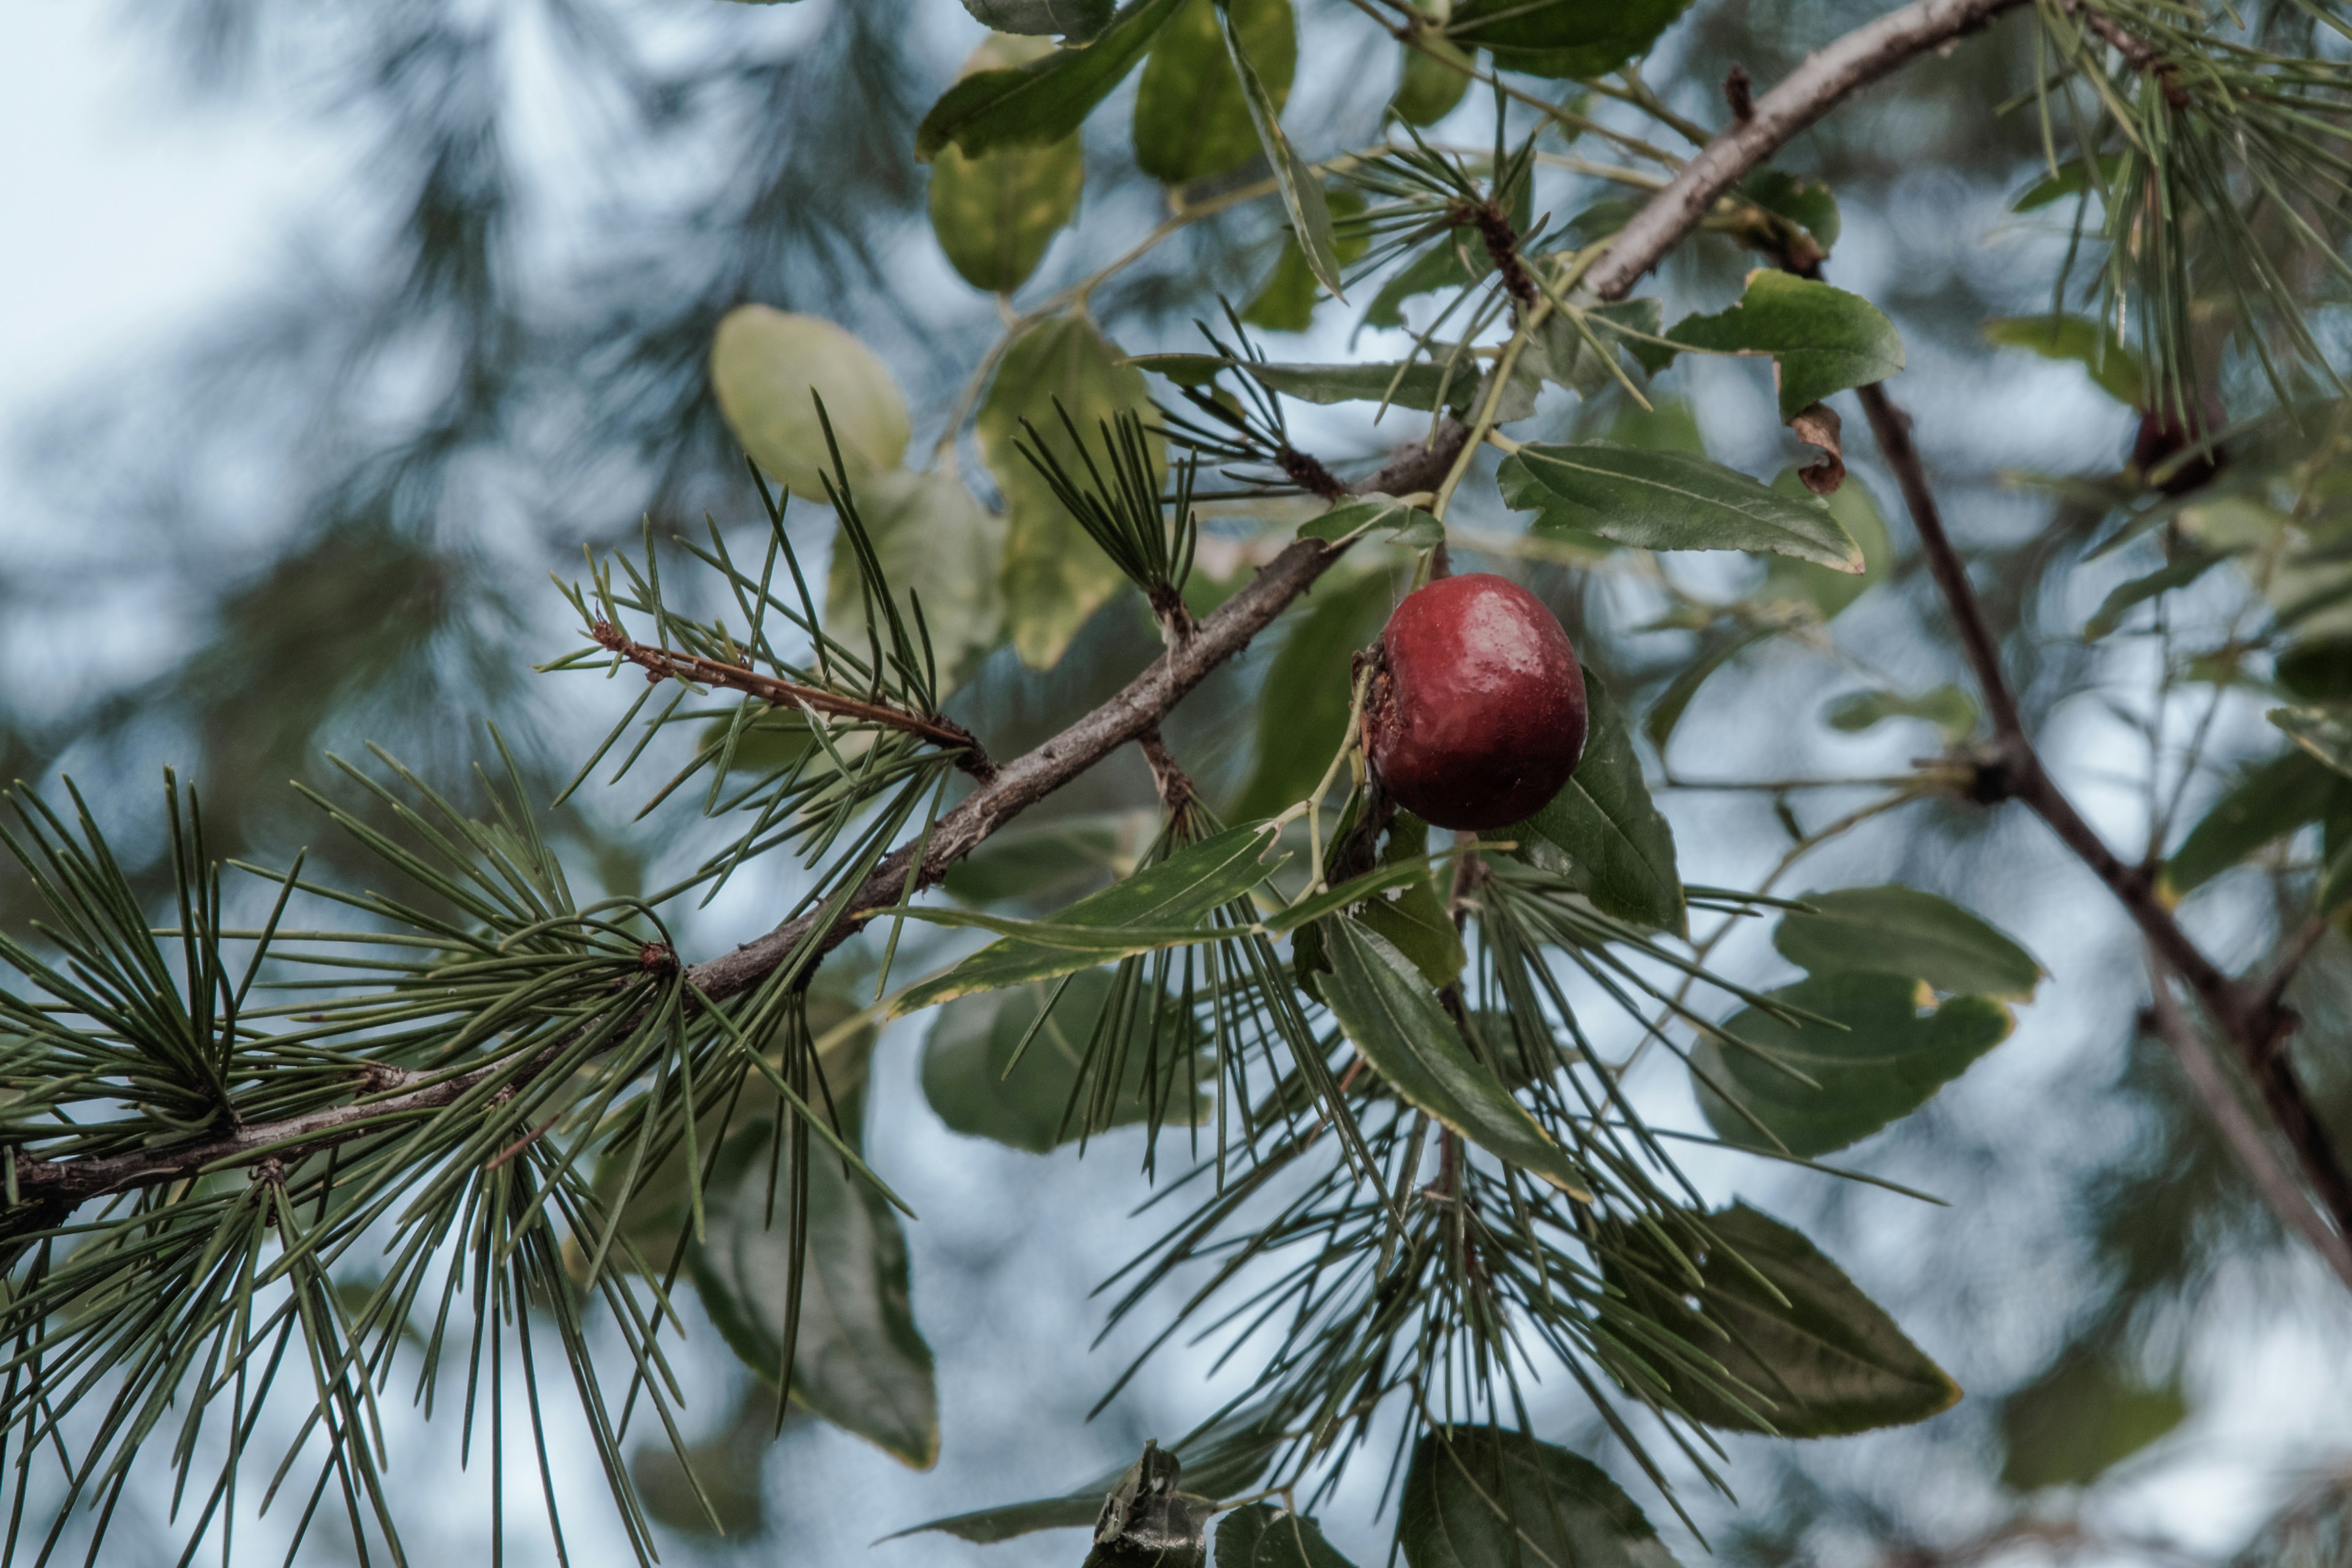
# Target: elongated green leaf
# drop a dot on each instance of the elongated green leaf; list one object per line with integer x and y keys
{"x": 1825, "y": 339}
{"x": 2115, "y": 369}
{"x": 1420, "y": 385}
{"x": 1054, "y": 575}
{"x": 1947, "y": 707}
{"x": 2072, "y": 178}
{"x": 1191, "y": 120}
{"x": 1389, "y": 1013}
{"x": 973, "y": 1045}
{"x": 1603, "y": 831}
{"x": 1457, "y": 260}
{"x": 768, "y": 370}
{"x": 1287, "y": 302}
{"x": 1892, "y": 1055}
{"x": 1303, "y": 711}
{"x": 2081, "y": 1419}
{"x": 1118, "y": 942}
{"x": 1809, "y": 204}
{"x": 1788, "y": 581}
{"x": 1479, "y": 1497}
{"x": 1076, "y": 20}
{"x": 859, "y": 1360}
{"x": 1563, "y": 353}
{"x": 1430, "y": 83}
{"x": 1223, "y": 1458}
{"x": 1047, "y": 98}
{"x": 1909, "y": 934}
{"x": 1657, "y": 499}
{"x": 1816, "y": 1357}
{"x": 1667, "y": 711}
{"x": 2325, "y": 732}
{"x": 1302, "y": 192}
{"x": 1561, "y": 37}
{"x": 994, "y": 214}
{"x": 1048, "y": 860}
{"x": 1263, "y": 1535}
{"x": 934, "y": 540}
{"x": 2190, "y": 565}
{"x": 1408, "y": 525}
{"x": 1177, "y": 893}
{"x": 2276, "y": 797}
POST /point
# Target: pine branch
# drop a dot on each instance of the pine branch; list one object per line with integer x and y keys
{"x": 1828, "y": 77}
{"x": 662, "y": 664}
{"x": 1846, "y": 65}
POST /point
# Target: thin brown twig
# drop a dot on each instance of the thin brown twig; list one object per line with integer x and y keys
{"x": 664, "y": 664}
{"x": 2286, "y": 1196}
{"x": 2249, "y": 1013}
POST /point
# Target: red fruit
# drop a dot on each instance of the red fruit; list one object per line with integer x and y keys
{"x": 2164, "y": 435}
{"x": 1475, "y": 714}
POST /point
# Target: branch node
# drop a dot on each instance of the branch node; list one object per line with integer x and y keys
{"x": 1739, "y": 92}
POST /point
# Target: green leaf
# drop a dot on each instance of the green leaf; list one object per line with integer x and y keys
{"x": 1076, "y": 20}
{"x": 995, "y": 214}
{"x": 1423, "y": 384}
{"x": 859, "y": 1360}
{"x": 1817, "y": 1358}
{"x": 1667, "y": 500}
{"x": 1566, "y": 355}
{"x": 1223, "y": 1458}
{"x": 1809, "y": 204}
{"x": 1262, "y": 1535}
{"x": 769, "y": 368}
{"x": 1896, "y": 1050}
{"x": 1191, "y": 120}
{"x": 726, "y": 1468}
{"x": 1825, "y": 340}
{"x": 1457, "y": 260}
{"x": 2070, "y": 179}
{"x": 1176, "y": 892}
{"x": 1302, "y": 192}
{"x": 1429, "y": 88}
{"x": 1561, "y": 37}
{"x": 2273, "y": 799}
{"x": 1054, "y": 575}
{"x": 1287, "y": 303}
{"x": 1410, "y": 913}
{"x": 1302, "y": 710}
{"x": 1667, "y": 711}
{"x": 1788, "y": 581}
{"x": 1907, "y": 934}
{"x": 1047, "y": 98}
{"x": 1617, "y": 848}
{"x": 2115, "y": 369}
{"x": 1947, "y": 707}
{"x": 972, "y": 1046}
{"x": 2081, "y": 1419}
{"x": 1035, "y": 860}
{"x": 2325, "y": 732}
{"x": 1389, "y": 1013}
{"x": 2190, "y": 565}
{"x": 1407, "y": 525}
{"x": 1479, "y": 1497}
{"x": 935, "y": 541}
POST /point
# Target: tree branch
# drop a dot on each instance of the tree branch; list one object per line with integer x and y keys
{"x": 1860, "y": 58}
{"x": 663, "y": 664}
{"x": 2247, "y": 1013}
{"x": 2286, "y": 1198}
{"x": 1809, "y": 91}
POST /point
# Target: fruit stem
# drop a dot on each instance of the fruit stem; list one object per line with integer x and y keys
{"x": 1314, "y": 803}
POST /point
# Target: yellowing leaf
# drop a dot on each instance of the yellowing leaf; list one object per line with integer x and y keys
{"x": 769, "y": 368}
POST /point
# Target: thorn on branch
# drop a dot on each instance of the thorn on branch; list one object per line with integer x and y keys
{"x": 1739, "y": 92}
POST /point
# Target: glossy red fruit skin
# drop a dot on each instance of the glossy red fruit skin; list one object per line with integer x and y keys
{"x": 1475, "y": 715}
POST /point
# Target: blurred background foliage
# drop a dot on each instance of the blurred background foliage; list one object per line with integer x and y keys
{"x": 325, "y": 515}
